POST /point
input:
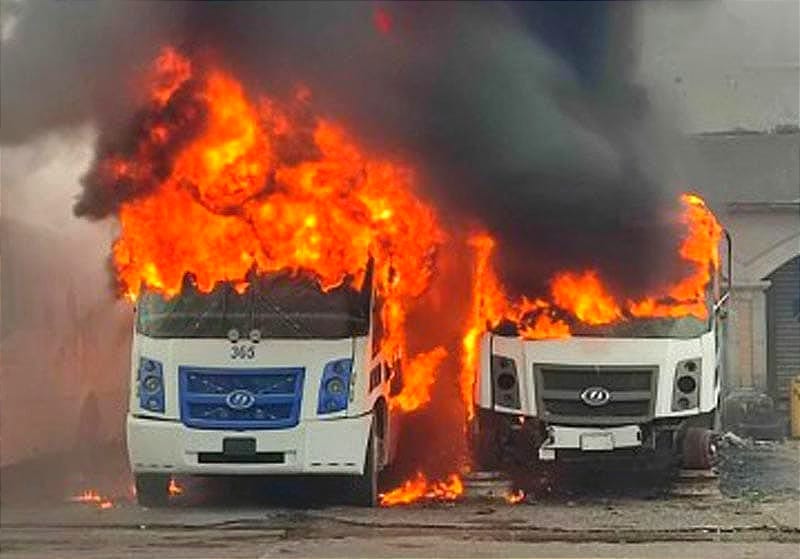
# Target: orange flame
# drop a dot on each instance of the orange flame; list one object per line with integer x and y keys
{"x": 170, "y": 71}
{"x": 515, "y": 497}
{"x": 700, "y": 248}
{"x": 418, "y": 378}
{"x": 420, "y": 488}
{"x": 490, "y": 306}
{"x": 90, "y": 496}
{"x": 583, "y": 295}
{"x": 173, "y": 488}
{"x": 268, "y": 188}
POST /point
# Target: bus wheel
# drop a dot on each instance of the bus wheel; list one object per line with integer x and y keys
{"x": 485, "y": 441}
{"x": 152, "y": 490}
{"x": 699, "y": 449}
{"x": 364, "y": 488}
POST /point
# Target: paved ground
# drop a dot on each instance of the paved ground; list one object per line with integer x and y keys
{"x": 255, "y": 544}
{"x": 758, "y": 515}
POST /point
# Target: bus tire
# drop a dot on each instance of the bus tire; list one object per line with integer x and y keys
{"x": 152, "y": 490}
{"x": 364, "y": 488}
{"x": 699, "y": 449}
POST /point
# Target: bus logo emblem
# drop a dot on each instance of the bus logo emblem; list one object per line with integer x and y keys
{"x": 240, "y": 399}
{"x": 596, "y": 396}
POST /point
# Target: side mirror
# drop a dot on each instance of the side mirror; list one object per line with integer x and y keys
{"x": 729, "y": 265}
{"x": 721, "y": 306}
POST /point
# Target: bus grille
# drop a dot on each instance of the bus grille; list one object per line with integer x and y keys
{"x": 240, "y": 399}
{"x": 559, "y": 389}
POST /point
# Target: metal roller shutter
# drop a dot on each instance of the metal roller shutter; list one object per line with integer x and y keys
{"x": 783, "y": 327}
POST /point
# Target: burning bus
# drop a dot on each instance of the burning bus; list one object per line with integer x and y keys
{"x": 581, "y": 375}
{"x": 280, "y": 378}
{"x": 272, "y": 262}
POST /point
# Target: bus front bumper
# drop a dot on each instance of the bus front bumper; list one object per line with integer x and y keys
{"x": 335, "y": 446}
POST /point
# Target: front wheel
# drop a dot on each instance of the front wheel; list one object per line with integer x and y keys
{"x": 699, "y": 449}
{"x": 363, "y": 489}
{"x": 152, "y": 490}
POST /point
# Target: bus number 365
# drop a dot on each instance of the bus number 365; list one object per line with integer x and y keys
{"x": 243, "y": 352}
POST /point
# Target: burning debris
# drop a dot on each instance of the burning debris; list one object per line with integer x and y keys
{"x": 174, "y": 489}
{"x": 92, "y": 497}
{"x": 104, "y": 502}
{"x": 420, "y": 488}
{"x": 515, "y": 497}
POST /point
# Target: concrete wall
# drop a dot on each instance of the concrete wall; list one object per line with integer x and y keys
{"x": 723, "y": 64}
{"x": 728, "y": 75}
{"x": 750, "y": 181}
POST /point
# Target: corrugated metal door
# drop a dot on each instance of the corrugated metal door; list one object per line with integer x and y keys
{"x": 783, "y": 327}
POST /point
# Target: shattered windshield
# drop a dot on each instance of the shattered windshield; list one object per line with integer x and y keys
{"x": 278, "y": 306}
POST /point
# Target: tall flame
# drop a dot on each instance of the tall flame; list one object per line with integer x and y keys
{"x": 490, "y": 306}
{"x": 227, "y": 186}
{"x": 700, "y": 249}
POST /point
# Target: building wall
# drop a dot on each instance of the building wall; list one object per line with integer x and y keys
{"x": 723, "y": 64}
{"x": 783, "y": 327}
{"x": 728, "y": 75}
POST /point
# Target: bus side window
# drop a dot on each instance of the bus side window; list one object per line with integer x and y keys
{"x": 377, "y": 326}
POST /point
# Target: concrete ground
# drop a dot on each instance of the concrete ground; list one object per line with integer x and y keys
{"x": 757, "y": 515}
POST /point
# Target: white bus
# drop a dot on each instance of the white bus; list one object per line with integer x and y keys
{"x": 646, "y": 388}
{"x": 281, "y": 379}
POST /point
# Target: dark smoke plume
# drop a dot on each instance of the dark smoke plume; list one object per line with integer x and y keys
{"x": 485, "y": 100}
{"x": 563, "y": 170}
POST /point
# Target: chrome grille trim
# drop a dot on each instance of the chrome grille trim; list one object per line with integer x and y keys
{"x": 559, "y": 387}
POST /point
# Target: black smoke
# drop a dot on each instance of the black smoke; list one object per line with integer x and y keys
{"x": 520, "y": 118}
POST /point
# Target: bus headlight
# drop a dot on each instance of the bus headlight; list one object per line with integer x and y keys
{"x": 505, "y": 381}
{"x": 686, "y": 388}
{"x": 333, "y": 392}
{"x": 151, "y": 385}
{"x": 334, "y": 386}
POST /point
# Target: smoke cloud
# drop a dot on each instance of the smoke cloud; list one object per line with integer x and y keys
{"x": 505, "y": 134}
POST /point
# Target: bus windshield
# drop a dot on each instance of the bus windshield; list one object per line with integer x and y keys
{"x": 687, "y": 326}
{"x": 682, "y": 327}
{"x": 278, "y": 306}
